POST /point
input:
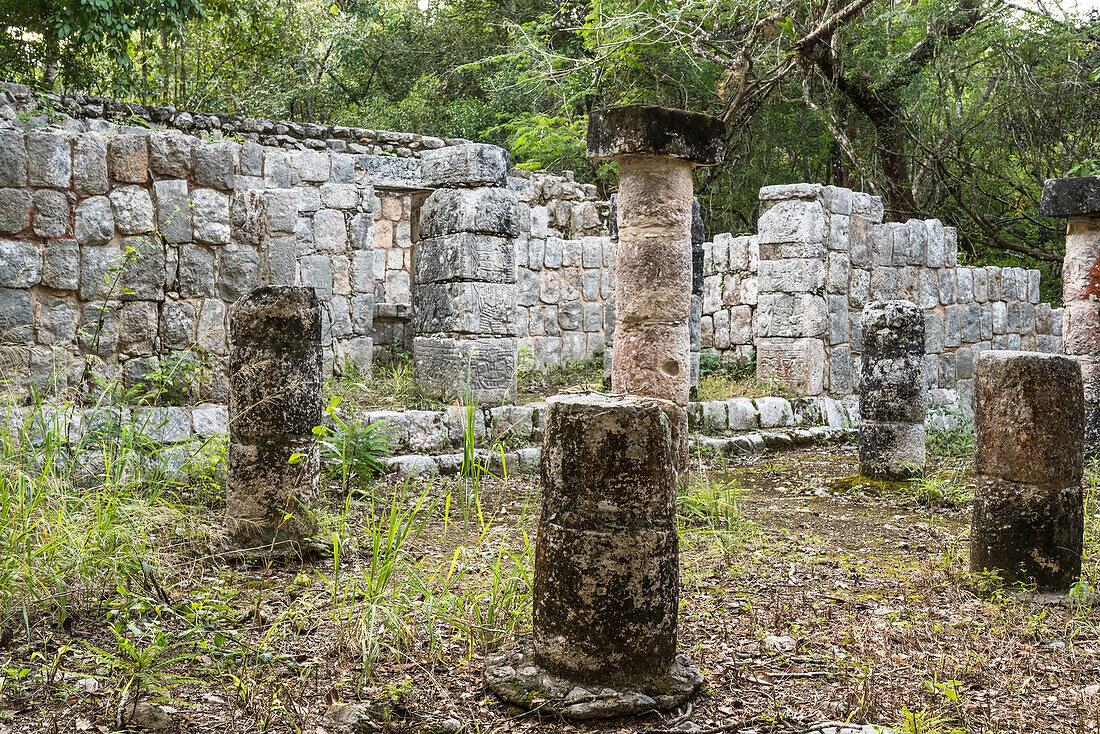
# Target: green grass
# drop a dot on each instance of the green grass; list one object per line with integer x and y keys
{"x": 388, "y": 386}
{"x": 582, "y": 375}
{"x": 725, "y": 378}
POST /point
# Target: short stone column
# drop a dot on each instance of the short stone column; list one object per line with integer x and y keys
{"x": 893, "y": 398}
{"x": 606, "y": 580}
{"x": 1029, "y": 418}
{"x": 274, "y": 404}
{"x": 464, "y": 297}
{"x": 1078, "y": 200}
{"x": 656, "y": 150}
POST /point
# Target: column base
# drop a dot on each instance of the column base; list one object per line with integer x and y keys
{"x": 517, "y": 679}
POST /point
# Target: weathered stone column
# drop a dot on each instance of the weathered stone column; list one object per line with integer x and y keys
{"x": 274, "y": 404}
{"x": 656, "y": 150}
{"x": 695, "y": 324}
{"x": 1078, "y": 200}
{"x": 893, "y": 398}
{"x": 1029, "y": 418}
{"x": 606, "y": 585}
{"x": 464, "y": 297}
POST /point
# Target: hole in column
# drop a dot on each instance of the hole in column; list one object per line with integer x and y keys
{"x": 671, "y": 368}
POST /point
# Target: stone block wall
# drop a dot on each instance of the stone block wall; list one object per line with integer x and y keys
{"x": 825, "y": 253}
{"x": 565, "y": 275}
{"x": 132, "y": 242}
{"x": 729, "y": 294}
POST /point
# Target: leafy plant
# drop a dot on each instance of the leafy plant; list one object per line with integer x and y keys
{"x": 177, "y": 377}
{"x": 352, "y": 448}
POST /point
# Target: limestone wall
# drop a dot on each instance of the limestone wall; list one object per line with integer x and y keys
{"x": 130, "y": 238}
{"x": 131, "y": 242}
{"x": 825, "y": 253}
{"x": 565, "y": 269}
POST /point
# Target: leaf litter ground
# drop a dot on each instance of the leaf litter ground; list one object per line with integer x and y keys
{"x": 807, "y": 597}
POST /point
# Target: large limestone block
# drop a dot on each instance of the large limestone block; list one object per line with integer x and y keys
{"x": 793, "y": 275}
{"x": 484, "y": 368}
{"x": 468, "y": 165}
{"x": 465, "y": 308}
{"x": 652, "y": 360}
{"x": 1071, "y": 197}
{"x": 466, "y": 256}
{"x": 275, "y": 363}
{"x": 792, "y": 316}
{"x": 645, "y": 130}
{"x": 1029, "y": 418}
{"x": 799, "y": 364}
{"x": 893, "y": 450}
{"x": 493, "y": 211}
{"x": 799, "y": 223}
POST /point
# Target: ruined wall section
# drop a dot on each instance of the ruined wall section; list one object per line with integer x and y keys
{"x": 730, "y": 266}
{"x": 566, "y": 269}
{"x": 825, "y": 253}
{"x": 131, "y": 243}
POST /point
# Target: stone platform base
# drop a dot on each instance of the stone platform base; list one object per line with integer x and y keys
{"x": 515, "y": 678}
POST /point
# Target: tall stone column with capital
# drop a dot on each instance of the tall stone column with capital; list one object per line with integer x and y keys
{"x": 656, "y": 149}
{"x": 1078, "y": 200}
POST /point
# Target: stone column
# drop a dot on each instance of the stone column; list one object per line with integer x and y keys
{"x": 464, "y": 297}
{"x": 893, "y": 398}
{"x": 274, "y": 404}
{"x": 606, "y": 582}
{"x": 1078, "y": 200}
{"x": 656, "y": 150}
{"x": 698, "y": 237}
{"x": 791, "y": 322}
{"x": 1029, "y": 416}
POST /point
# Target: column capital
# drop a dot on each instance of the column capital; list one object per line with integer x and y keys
{"x": 1071, "y": 197}
{"x": 637, "y": 129}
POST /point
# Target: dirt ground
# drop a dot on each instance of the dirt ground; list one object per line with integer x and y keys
{"x": 822, "y": 599}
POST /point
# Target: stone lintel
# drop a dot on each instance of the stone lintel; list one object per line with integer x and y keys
{"x": 647, "y": 130}
{"x": 1071, "y": 197}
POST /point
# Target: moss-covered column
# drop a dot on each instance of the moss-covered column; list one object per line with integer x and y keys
{"x": 606, "y": 584}
{"x": 1078, "y": 201}
{"x": 1028, "y": 457}
{"x": 274, "y": 404}
{"x": 656, "y": 149}
{"x": 893, "y": 398}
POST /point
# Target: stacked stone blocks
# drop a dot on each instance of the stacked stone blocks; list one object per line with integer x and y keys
{"x": 1028, "y": 516}
{"x": 1078, "y": 201}
{"x": 825, "y": 253}
{"x": 275, "y": 371}
{"x": 464, "y": 303}
{"x": 133, "y": 242}
{"x": 606, "y": 576}
{"x": 893, "y": 398}
{"x": 565, "y": 270}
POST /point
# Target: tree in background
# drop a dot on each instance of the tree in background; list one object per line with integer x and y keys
{"x": 950, "y": 108}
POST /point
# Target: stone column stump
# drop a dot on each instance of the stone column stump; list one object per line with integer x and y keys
{"x": 606, "y": 585}
{"x": 274, "y": 404}
{"x": 464, "y": 297}
{"x": 1078, "y": 201}
{"x": 1029, "y": 418}
{"x": 893, "y": 398}
{"x": 656, "y": 149}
